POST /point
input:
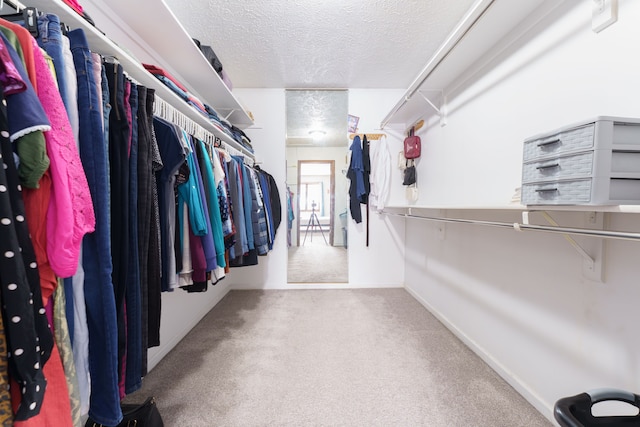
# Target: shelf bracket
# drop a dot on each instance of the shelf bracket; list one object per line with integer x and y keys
{"x": 233, "y": 110}
{"x": 592, "y": 266}
{"x": 440, "y": 111}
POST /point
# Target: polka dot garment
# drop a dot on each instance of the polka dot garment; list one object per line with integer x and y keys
{"x": 28, "y": 335}
{"x": 6, "y": 411}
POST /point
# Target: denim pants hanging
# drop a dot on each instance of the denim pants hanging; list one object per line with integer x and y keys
{"x": 50, "y": 39}
{"x": 99, "y": 292}
{"x": 133, "y": 376}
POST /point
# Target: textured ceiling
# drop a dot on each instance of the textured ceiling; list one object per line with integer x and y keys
{"x": 321, "y": 43}
{"x": 311, "y": 110}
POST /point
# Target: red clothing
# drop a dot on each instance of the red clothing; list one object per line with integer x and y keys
{"x": 154, "y": 69}
{"x": 56, "y": 406}
{"x": 36, "y": 202}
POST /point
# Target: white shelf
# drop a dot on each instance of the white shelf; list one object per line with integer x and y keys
{"x": 484, "y": 26}
{"x": 99, "y": 43}
{"x": 519, "y": 207}
{"x": 154, "y": 35}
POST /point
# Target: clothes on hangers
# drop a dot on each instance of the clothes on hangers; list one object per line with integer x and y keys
{"x": 28, "y": 336}
{"x": 355, "y": 174}
{"x": 100, "y": 178}
{"x": 380, "y": 174}
{"x": 95, "y": 346}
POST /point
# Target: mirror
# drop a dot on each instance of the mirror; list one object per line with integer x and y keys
{"x": 317, "y": 146}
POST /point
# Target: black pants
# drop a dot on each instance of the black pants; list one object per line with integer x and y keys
{"x": 119, "y": 182}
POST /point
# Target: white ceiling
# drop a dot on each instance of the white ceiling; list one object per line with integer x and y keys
{"x": 311, "y": 110}
{"x": 321, "y": 43}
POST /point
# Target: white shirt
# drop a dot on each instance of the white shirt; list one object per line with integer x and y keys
{"x": 380, "y": 173}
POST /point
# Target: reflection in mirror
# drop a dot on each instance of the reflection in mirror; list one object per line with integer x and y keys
{"x": 317, "y": 147}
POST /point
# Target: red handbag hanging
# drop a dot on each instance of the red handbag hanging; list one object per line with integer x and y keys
{"x": 412, "y": 145}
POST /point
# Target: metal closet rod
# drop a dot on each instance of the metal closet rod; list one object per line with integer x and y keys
{"x": 464, "y": 26}
{"x": 619, "y": 235}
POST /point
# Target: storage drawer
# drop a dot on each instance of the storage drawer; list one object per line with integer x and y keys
{"x": 576, "y": 166}
{"x": 625, "y": 163}
{"x": 596, "y": 191}
{"x": 624, "y": 191}
{"x": 557, "y": 193}
{"x": 580, "y": 138}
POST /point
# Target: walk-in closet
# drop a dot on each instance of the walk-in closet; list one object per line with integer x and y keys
{"x": 391, "y": 213}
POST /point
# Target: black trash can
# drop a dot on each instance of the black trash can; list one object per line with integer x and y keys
{"x": 575, "y": 411}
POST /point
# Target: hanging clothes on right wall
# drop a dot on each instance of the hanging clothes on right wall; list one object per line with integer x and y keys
{"x": 358, "y": 192}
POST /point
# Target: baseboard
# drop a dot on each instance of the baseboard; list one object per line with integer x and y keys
{"x": 316, "y": 286}
{"x": 156, "y": 354}
{"x": 543, "y": 407}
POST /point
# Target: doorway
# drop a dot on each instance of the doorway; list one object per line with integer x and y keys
{"x": 316, "y": 201}
{"x": 317, "y": 147}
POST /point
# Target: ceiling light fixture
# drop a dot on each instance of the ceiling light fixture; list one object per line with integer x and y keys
{"x": 317, "y": 134}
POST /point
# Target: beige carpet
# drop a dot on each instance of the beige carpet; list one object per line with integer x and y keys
{"x": 329, "y": 358}
{"x": 317, "y": 262}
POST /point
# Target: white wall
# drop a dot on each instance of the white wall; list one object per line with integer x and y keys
{"x": 180, "y": 312}
{"x": 268, "y": 139}
{"x": 519, "y": 299}
{"x": 379, "y": 264}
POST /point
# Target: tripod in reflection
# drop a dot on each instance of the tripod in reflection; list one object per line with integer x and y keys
{"x": 312, "y": 224}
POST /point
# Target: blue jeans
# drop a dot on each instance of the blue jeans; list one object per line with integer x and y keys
{"x": 98, "y": 287}
{"x": 133, "y": 374}
{"x": 50, "y": 39}
{"x": 106, "y": 111}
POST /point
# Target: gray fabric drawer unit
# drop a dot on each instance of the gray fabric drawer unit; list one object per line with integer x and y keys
{"x": 595, "y": 162}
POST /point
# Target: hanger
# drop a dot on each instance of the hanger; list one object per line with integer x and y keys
{"x": 65, "y": 28}
{"x": 28, "y": 17}
{"x": 416, "y": 126}
{"x": 370, "y": 136}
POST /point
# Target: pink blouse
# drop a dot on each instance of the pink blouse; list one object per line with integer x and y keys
{"x": 70, "y": 214}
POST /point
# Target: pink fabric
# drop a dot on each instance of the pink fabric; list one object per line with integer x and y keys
{"x": 74, "y": 5}
{"x": 70, "y": 214}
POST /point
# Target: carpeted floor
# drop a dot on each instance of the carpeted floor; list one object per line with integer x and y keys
{"x": 317, "y": 262}
{"x": 332, "y": 358}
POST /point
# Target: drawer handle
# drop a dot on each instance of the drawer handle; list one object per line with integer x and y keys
{"x": 553, "y": 141}
{"x": 546, "y": 190}
{"x": 555, "y": 165}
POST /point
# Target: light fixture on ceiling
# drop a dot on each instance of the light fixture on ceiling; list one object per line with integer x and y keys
{"x": 317, "y": 134}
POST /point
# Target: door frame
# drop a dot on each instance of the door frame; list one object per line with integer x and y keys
{"x": 332, "y": 193}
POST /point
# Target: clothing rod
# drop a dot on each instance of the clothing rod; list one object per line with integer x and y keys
{"x": 617, "y": 235}
{"x": 465, "y": 25}
{"x": 170, "y": 113}
{"x": 14, "y": 4}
